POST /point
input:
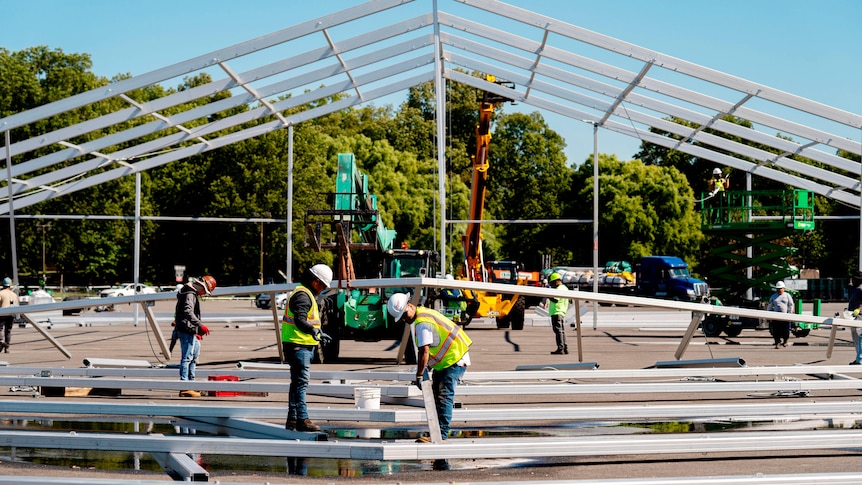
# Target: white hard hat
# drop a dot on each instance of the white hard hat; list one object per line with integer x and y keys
{"x": 397, "y": 304}
{"x": 449, "y": 277}
{"x": 717, "y": 171}
{"x": 778, "y": 285}
{"x": 323, "y": 273}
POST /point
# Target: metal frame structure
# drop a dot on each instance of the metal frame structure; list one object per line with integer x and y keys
{"x": 555, "y": 66}
{"x": 698, "y": 310}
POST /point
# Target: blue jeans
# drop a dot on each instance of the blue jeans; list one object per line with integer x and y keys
{"x": 299, "y": 358}
{"x": 190, "y": 348}
{"x": 857, "y": 343}
{"x": 444, "y": 382}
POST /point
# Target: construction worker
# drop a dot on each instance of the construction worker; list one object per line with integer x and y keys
{"x": 557, "y": 309}
{"x": 454, "y": 302}
{"x": 189, "y": 326}
{"x": 443, "y": 347}
{"x": 8, "y": 298}
{"x": 300, "y": 336}
{"x": 718, "y": 186}
{"x": 780, "y": 302}
{"x": 854, "y": 305}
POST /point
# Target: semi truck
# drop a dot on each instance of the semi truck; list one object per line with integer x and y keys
{"x": 665, "y": 277}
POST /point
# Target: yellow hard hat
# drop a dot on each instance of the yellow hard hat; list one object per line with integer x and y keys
{"x": 554, "y": 277}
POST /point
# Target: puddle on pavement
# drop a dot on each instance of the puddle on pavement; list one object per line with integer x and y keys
{"x": 311, "y": 467}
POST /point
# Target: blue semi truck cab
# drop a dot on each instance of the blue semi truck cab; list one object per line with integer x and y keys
{"x": 668, "y": 277}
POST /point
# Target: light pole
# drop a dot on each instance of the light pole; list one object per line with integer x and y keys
{"x": 266, "y": 214}
{"x": 260, "y": 280}
{"x": 44, "y": 227}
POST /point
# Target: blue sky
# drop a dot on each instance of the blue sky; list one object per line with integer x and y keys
{"x": 811, "y": 49}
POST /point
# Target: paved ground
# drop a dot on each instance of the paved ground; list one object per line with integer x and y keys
{"x": 613, "y": 347}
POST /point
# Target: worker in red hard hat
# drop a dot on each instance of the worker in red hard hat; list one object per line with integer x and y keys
{"x": 301, "y": 333}
{"x": 189, "y": 326}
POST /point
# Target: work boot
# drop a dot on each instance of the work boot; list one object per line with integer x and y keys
{"x": 290, "y": 424}
{"x": 306, "y": 425}
{"x": 427, "y": 439}
{"x": 440, "y": 464}
{"x": 190, "y": 394}
{"x": 566, "y": 350}
{"x": 558, "y": 352}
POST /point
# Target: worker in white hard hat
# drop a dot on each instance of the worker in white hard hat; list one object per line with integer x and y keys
{"x": 8, "y": 298}
{"x": 718, "y": 186}
{"x": 300, "y": 335}
{"x": 781, "y": 302}
{"x": 443, "y": 347}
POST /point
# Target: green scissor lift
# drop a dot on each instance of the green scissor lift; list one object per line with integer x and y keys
{"x": 758, "y": 219}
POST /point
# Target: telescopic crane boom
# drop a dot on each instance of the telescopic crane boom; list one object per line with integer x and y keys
{"x": 508, "y": 309}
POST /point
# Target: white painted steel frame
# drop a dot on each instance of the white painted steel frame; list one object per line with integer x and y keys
{"x": 800, "y": 409}
{"x": 546, "y": 67}
{"x": 848, "y": 478}
{"x": 661, "y": 444}
{"x": 697, "y": 309}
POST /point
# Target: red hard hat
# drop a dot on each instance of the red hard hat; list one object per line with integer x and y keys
{"x": 208, "y": 283}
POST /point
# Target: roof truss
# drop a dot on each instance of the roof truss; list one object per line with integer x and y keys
{"x": 558, "y": 67}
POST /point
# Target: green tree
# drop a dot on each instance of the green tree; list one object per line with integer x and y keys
{"x": 528, "y": 179}
{"x": 643, "y": 210}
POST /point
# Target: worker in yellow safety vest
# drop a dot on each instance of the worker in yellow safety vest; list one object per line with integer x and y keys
{"x": 557, "y": 309}
{"x": 442, "y": 346}
{"x": 300, "y": 336}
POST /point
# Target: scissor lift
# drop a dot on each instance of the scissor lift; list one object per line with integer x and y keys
{"x": 758, "y": 219}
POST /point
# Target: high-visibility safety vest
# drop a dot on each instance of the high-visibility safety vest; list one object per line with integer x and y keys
{"x": 454, "y": 341}
{"x": 558, "y": 307}
{"x": 289, "y": 332}
{"x": 718, "y": 184}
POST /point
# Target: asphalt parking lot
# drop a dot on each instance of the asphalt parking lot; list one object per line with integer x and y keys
{"x": 650, "y": 337}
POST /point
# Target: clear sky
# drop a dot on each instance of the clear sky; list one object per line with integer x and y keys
{"x": 805, "y": 47}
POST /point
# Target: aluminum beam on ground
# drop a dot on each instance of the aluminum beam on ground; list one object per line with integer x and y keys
{"x": 405, "y": 391}
{"x": 664, "y": 373}
{"x": 244, "y": 428}
{"x": 756, "y": 479}
{"x": 471, "y": 376}
{"x": 117, "y": 363}
{"x": 767, "y": 410}
{"x": 340, "y": 390}
{"x": 702, "y": 363}
{"x": 204, "y": 373}
{"x": 182, "y": 466}
{"x": 613, "y": 445}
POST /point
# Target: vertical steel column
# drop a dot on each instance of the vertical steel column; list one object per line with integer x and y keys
{"x": 749, "y": 251}
{"x": 289, "y": 274}
{"x": 137, "y": 271}
{"x": 440, "y": 97}
{"x": 595, "y": 223}
{"x": 12, "y": 238}
{"x": 289, "y": 217}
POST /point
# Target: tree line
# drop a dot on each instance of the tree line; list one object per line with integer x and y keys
{"x": 646, "y": 202}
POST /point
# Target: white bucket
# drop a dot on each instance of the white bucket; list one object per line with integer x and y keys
{"x": 366, "y": 397}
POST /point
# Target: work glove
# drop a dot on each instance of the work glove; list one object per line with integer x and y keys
{"x": 855, "y": 313}
{"x": 419, "y": 379}
{"x": 322, "y": 338}
{"x": 203, "y": 330}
